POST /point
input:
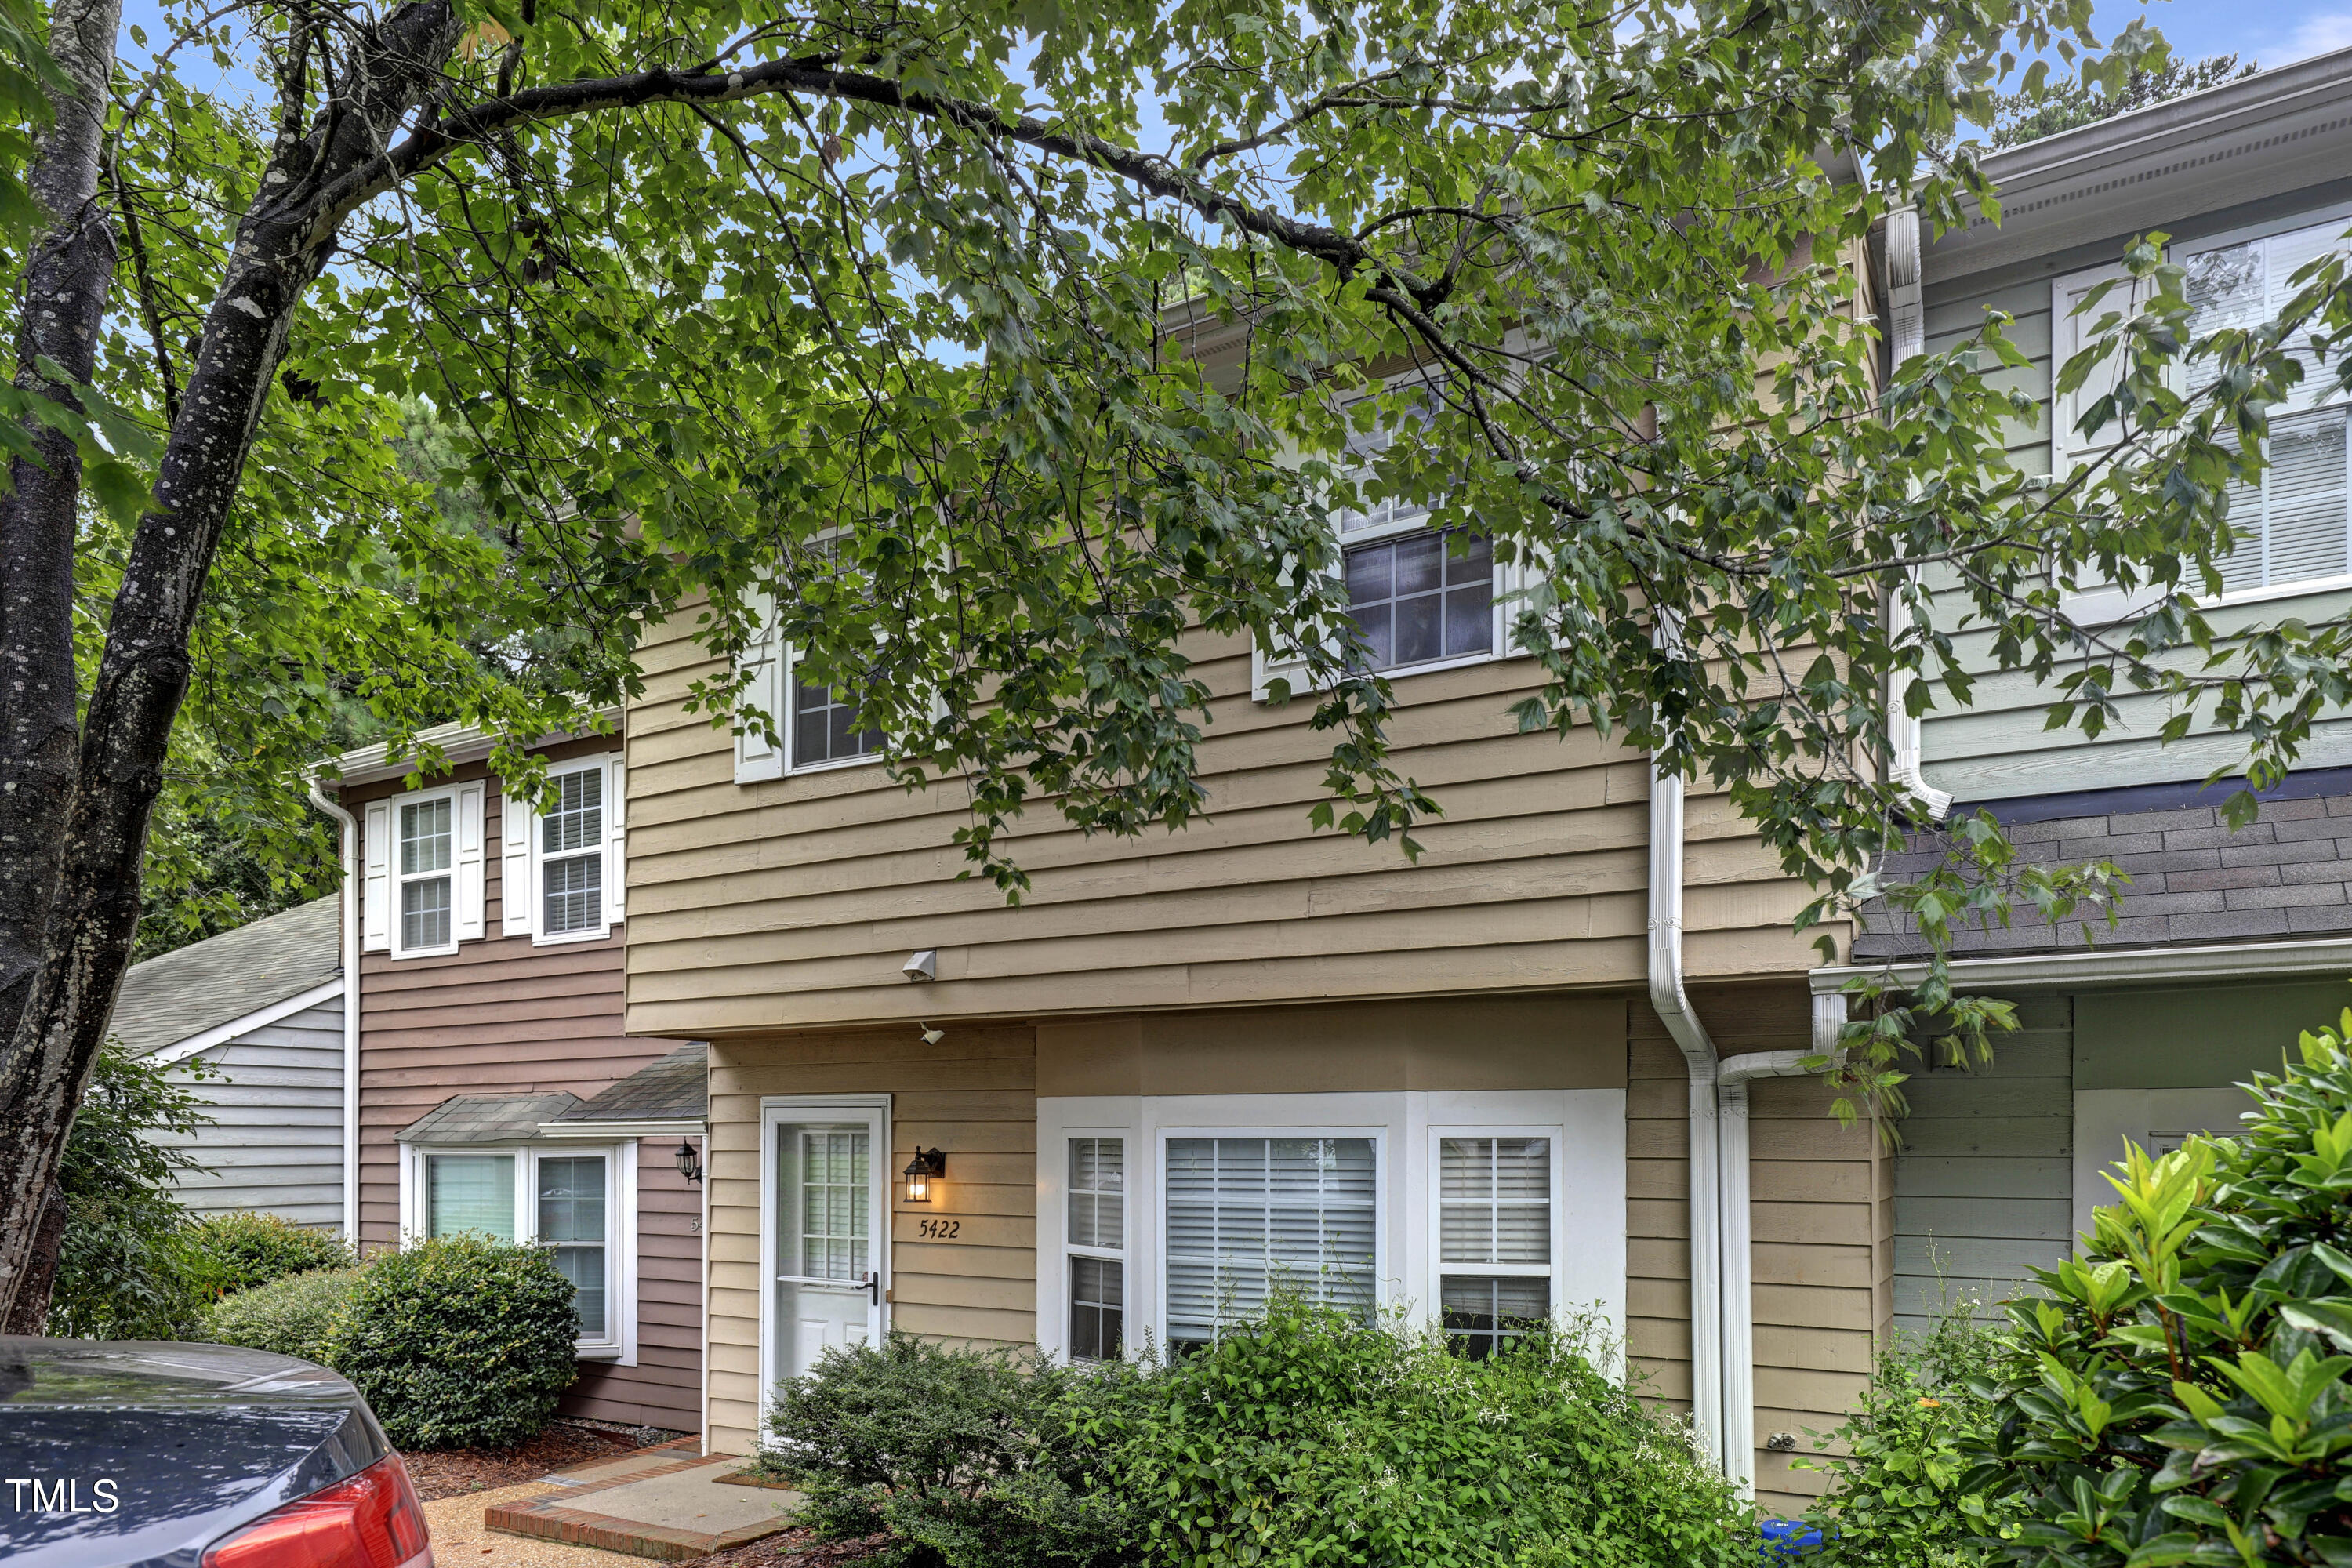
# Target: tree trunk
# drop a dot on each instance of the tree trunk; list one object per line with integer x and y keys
{"x": 31, "y": 1313}
{"x": 66, "y": 280}
{"x": 283, "y": 242}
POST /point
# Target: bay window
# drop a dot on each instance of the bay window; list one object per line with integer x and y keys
{"x": 1494, "y": 1247}
{"x": 1246, "y": 1216}
{"x": 570, "y": 1201}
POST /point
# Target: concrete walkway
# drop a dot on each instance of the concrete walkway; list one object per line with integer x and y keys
{"x": 664, "y": 1503}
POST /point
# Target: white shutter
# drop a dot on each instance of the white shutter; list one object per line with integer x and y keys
{"x": 515, "y": 818}
{"x": 756, "y": 757}
{"x": 2069, "y": 333}
{"x": 467, "y": 890}
{"x": 375, "y": 892}
{"x": 616, "y": 834}
{"x": 1286, "y": 665}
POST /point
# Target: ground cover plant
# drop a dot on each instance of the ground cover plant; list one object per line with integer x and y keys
{"x": 1305, "y": 1438}
{"x": 2181, "y": 1396}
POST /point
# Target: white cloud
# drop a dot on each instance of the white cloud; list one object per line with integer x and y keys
{"x": 2317, "y": 35}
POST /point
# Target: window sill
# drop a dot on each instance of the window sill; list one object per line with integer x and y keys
{"x": 596, "y": 1352}
{"x": 836, "y": 764}
{"x": 565, "y": 939}
{"x": 401, "y": 954}
{"x": 2107, "y": 606}
{"x": 1437, "y": 665}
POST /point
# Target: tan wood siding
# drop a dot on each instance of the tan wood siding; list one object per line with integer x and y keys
{"x": 975, "y": 1093}
{"x": 502, "y": 1017}
{"x": 1822, "y": 1223}
{"x": 793, "y": 903}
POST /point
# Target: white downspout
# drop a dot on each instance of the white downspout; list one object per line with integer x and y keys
{"x": 1674, "y": 1008}
{"x": 349, "y": 852}
{"x": 1906, "y": 340}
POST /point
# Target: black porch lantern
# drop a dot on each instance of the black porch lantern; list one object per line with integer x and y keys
{"x": 928, "y": 1166}
{"x": 689, "y": 1160}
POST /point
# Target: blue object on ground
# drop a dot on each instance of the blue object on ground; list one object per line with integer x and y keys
{"x": 1788, "y": 1539}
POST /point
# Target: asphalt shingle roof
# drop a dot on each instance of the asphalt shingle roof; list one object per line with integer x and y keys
{"x": 488, "y": 1117}
{"x": 223, "y": 978}
{"x": 670, "y": 1090}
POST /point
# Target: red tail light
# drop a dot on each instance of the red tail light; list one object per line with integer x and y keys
{"x": 372, "y": 1519}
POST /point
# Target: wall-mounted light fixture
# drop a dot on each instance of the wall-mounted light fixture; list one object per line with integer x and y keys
{"x": 929, "y": 1165}
{"x": 689, "y": 1160}
{"x": 921, "y": 965}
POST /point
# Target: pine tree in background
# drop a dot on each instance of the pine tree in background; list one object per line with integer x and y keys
{"x": 2023, "y": 117}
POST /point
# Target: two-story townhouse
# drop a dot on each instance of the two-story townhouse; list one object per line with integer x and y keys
{"x": 1188, "y": 1067}
{"x": 2229, "y": 941}
{"x": 491, "y": 1086}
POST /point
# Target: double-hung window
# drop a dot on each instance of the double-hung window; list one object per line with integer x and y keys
{"x": 1249, "y": 1215}
{"x": 572, "y": 854}
{"x": 566, "y": 1200}
{"x": 1097, "y": 1248}
{"x": 2293, "y": 522}
{"x": 427, "y": 860}
{"x": 563, "y": 867}
{"x": 1418, "y": 596}
{"x": 814, "y": 722}
{"x": 1494, "y": 1238}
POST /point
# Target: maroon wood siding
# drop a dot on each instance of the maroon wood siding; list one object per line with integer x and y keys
{"x": 501, "y": 1016}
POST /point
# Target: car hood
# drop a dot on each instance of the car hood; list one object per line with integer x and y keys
{"x": 119, "y": 1453}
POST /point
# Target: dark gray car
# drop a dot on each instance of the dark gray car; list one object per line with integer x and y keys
{"x": 129, "y": 1454}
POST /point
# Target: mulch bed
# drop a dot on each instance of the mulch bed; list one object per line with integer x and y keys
{"x": 453, "y": 1472}
{"x": 792, "y": 1549}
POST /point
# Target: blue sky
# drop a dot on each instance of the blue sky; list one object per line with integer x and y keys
{"x": 2272, "y": 32}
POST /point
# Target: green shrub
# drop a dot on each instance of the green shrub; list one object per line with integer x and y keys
{"x": 292, "y": 1316}
{"x": 1896, "y": 1499}
{"x": 958, "y": 1454}
{"x": 1307, "y": 1438}
{"x": 125, "y": 1271}
{"x": 458, "y": 1341}
{"x": 2179, "y": 1399}
{"x": 239, "y": 1251}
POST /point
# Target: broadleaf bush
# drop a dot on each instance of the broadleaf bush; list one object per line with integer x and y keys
{"x": 2181, "y": 1396}
{"x": 458, "y": 1341}
{"x": 239, "y": 1251}
{"x": 1303, "y": 1438}
{"x": 292, "y": 1315}
{"x": 1899, "y": 1496}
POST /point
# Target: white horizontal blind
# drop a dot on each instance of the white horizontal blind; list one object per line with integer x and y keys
{"x": 1494, "y": 1238}
{"x": 470, "y": 1192}
{"x": 2294, "y": 524}
{"x": 1495, "y": 1200}
{"x": 1248, "y": 1215}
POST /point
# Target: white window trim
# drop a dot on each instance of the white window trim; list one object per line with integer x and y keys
{"x": 1587, "y": 1126}
{"x": 774, "y": 1111}
{"x": 613, "y": 879}
{"x": 1439, "y": 1268}
{"x": 619, "y": 1344}
{"x": 400, "y": 804}
{"x": 2107, "y": 605}
{"x": 774, "y": 661}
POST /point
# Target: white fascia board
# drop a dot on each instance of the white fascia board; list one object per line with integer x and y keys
{"x": 459, "y": 744}
{"x": 259, "y": 1019}
{"x": 607, "y": 1131}
{"x": 2100, "y": 966}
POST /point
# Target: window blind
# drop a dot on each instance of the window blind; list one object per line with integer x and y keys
{"x": 470, "y": 1192}
{"x": 1494, "y": 1216}
{"x": 2295, "y": 522}
{"x": 1246, "y": 1215}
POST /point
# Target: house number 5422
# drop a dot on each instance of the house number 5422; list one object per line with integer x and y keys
{"x": 940, "y": 1229}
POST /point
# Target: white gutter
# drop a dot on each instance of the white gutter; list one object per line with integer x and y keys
{"x": 2107, "y": 966}
{"x": 1672, "y": 1002}
{"x": 350, "y": 944}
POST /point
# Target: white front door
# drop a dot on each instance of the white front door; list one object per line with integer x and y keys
{"x": 829, "y": 1211}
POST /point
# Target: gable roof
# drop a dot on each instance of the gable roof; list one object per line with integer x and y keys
{"x": 671, "y": 1090}
{"x": 221, "y": 979}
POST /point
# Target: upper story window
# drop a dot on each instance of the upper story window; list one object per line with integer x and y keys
{"x": 815, "y": 723}
{"x": 427, "y": 837}
{"x": 2295, "y": 522}
{"x": 564, "y": 871}
{"x": 423, "y": 871}
{"x": 824, "y": 726}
